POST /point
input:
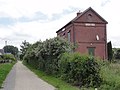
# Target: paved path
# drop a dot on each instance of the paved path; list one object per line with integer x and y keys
{"x": 21, "y": 78}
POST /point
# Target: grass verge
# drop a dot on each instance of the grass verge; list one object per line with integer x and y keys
{"x": 111, "y": 76}
{"x": 56, "y": 82}
{"x": 4, "y": 70}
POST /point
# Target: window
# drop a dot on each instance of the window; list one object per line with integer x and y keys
{"x": 89, "y": 17}
{"x": 63, "y": 35}
{"x": 91, "y": 51}
{"x": 68, "y": 34}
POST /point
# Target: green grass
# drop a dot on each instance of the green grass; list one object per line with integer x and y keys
{"x": 56, "y": 82}
{"x": 111, "y": 76}
{"x": 4, "y": 70}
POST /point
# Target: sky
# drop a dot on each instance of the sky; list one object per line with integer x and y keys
{"x": 34, "y": 20}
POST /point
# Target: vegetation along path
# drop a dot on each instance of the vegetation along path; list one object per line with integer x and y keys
{"x": 21, "y": 78}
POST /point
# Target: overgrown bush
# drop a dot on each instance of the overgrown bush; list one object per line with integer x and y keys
{"x": 80, "y": 70}
{"x": 45, "y": 55}
{"x": 30, "y": 56}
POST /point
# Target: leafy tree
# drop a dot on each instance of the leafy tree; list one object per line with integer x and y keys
{"x": 117, "y": 55}
{"x": 31, "y": 57}
{"x": 109, "y": 51}
{"x": 45, "y": 55}
{"x": 24, "y": 47}
{"x": 11, "y": 49}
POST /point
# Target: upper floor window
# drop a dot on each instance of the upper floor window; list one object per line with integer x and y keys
{"x": 89, "y": 17}
{"x": 69, "y": 35}
{"x": 63, "y": 35}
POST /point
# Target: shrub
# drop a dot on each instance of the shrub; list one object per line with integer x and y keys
{"x": 110, "y": 73}
{"x": 9, "y": 57}
{"x": 45, "y": 55}
{"x": 53, "y": 48}
{"x": 80, "y": 70}
{"x": 30, "y": 55}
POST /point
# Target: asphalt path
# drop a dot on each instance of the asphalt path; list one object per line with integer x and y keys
{"x": 21, "y": 78}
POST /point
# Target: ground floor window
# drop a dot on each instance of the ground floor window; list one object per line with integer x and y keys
{"x": 91, "y": 51}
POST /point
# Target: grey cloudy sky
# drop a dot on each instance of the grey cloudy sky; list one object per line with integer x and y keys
{"x": 34, "y": 20}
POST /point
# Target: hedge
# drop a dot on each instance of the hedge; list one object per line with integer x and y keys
{"x": 80, "y": 70}
{"x": 45, "y": 55}
{"x": 55, "y": 57}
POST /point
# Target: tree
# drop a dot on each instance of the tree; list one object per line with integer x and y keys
{"x": 24, "y": 47}
{"x": 46, "y": 55}
{"x": 117, "y": 55}
{"x": 11, "y": 49}
{"x": 109, "y": 50}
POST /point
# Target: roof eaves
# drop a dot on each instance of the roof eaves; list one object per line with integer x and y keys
{"x": 64, "y": 26}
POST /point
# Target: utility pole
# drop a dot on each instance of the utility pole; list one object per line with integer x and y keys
{"x": 5, "y": 43}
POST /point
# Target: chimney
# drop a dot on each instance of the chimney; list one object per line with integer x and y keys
{"x": 78, "y": 13}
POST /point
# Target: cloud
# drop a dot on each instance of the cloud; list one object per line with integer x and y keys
{"x": 57, "y": 16}
{"x": 104, "y": 2}
{"x": 9, "y": 21}
{"x": 115, "y": 41}
{"x": 5, "y": 21}
{"x": 18, "y": 36}
{"x": 38, "y": 16}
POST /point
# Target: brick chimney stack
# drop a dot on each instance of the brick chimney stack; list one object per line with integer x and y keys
{"x": 78, "y": 13}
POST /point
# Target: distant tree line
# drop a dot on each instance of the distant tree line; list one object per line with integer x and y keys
{"x": 116, "y": 53}
{"x": 11, "y": 49}
{"x": 10, "y": 54}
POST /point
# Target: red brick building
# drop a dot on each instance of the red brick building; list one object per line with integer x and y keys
{"x": 88, "y": 30}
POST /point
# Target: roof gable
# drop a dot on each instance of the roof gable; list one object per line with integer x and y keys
{"x": 89, "y": 15}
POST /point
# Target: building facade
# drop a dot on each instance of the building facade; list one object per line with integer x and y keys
{"x": 88, "y": 31}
